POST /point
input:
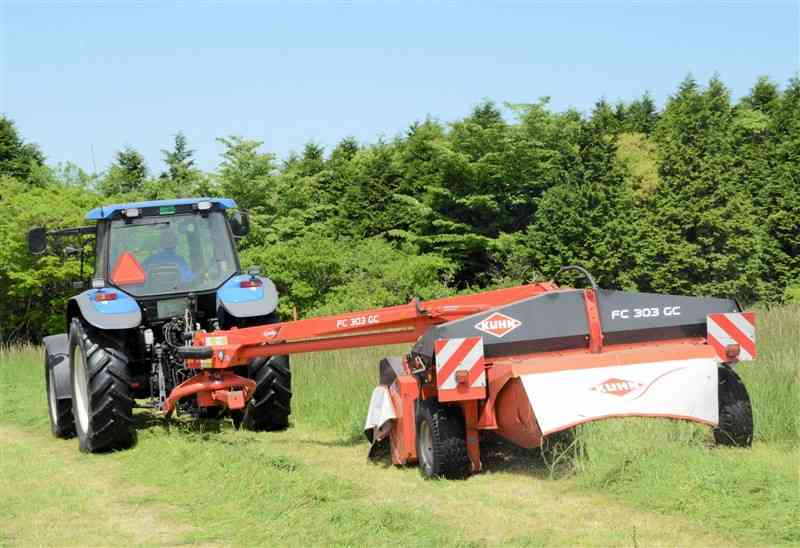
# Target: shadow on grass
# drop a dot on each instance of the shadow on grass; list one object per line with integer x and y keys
{"x": 153, "y": 420}
{"x": 554, "y": 461}
{"x": 145, "y": 420}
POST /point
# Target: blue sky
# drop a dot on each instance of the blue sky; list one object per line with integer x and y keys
{"x": 83, "y": 76}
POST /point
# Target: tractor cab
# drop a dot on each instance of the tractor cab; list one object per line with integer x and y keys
{"x": 155, "y": 260}
{"x": 157, "y": 250}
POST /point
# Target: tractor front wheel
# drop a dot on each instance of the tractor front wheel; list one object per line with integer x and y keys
{"x": 270, "y": 406}
{"x": 735, "y": 413}
{"x": 441, "y": 441}
{"x": 102, "y": 403}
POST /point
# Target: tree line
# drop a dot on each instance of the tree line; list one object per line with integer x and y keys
{"x": 700, "y": 197}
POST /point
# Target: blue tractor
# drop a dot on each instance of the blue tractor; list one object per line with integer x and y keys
{"x": 162, "y": 270}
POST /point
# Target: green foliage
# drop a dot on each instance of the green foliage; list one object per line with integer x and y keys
{"x": 700, "y": 232}
{"x": 17, "y": 158}
{"x": 245, "y": 174}
{"x": 319, "y": 274}
{"x": 181, "y": 175}
{"x": 35, "y": 289}
{"x": 701, "y": 197}
{"x": 127, "y": 174}
{"x": 638, "y": 156}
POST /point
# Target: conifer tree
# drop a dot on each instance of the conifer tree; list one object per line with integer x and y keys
{"x": 700, "y": 234}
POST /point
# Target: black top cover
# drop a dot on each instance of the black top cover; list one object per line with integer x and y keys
{"x": 557, "y": 321}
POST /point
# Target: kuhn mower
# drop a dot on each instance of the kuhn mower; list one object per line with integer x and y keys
{"x": 524, "y": 362}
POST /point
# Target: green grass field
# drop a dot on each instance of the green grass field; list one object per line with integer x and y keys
{"x": 634, "y": 482}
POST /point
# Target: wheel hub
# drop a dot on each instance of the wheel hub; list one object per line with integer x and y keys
{"x": 426, "y": 445}
{"x": 51, "y": 395}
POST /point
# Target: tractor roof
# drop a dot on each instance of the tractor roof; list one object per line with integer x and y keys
{"x": 106, "y": 212}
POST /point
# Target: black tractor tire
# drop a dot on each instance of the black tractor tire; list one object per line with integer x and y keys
{"x": 735, "y": 427}
{"x": 441, "y": 441}
{"x": 270, "y": 406}
{"x": 62, "y": 422}
{"x": 102, "y": 403}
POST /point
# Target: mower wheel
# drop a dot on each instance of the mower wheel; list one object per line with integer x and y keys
{"x": 62, "y": 423}
{"x": 735, "y": 414}
{"x": 441, "y": 441}
{"x": 270, "y": 406}
{"x": 102, "y": 403}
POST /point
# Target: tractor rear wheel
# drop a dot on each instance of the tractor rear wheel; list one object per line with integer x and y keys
{"x": 441, "y": 441}
{"x": 102, "y": 403}
{"x": 62, "y": 423}
{"x": 735, "y": 413}
{"x": 270, "y": 406}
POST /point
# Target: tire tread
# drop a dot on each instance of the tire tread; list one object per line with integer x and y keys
{"x": 270, "y": 406}
{"x": 109, "y": 391}
{"x": 735, "y": 427}
{"x": 450, "y": 457}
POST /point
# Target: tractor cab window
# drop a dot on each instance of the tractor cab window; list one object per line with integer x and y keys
{"x": 179, "y": 253}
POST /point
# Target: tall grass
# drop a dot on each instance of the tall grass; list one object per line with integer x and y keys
{"x": 664, "y": 466}
{"x": 332, "y": 389}
{"x": 22, "y": 395}
{"x": 773, "y": 381}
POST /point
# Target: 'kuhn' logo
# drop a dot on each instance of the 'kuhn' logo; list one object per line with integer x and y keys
{"x": 617, "y": 387}
{"x": 498, "y": 325}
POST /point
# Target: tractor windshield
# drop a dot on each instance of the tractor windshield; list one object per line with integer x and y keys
{"x": 179, "y": 253}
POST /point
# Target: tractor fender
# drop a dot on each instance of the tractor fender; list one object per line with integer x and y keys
{"x": 56, "y": 348}
{"x": 121, "y": 313}
{"x": 247, "y": 302}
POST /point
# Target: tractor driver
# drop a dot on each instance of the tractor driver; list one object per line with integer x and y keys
{"x": 168, "y": 256}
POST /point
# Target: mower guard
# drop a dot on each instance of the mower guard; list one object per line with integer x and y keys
{"x": 679, "y": 389}
{"x": 381, "y": 412}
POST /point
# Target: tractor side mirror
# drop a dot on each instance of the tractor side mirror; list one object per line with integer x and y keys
{"x": 240, "y": 223}
{"x": 37, "y": 241}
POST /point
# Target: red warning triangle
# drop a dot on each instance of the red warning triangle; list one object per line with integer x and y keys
{"x": 127, "y": 271}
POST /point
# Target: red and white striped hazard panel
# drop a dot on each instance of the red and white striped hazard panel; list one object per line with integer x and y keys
{"x": 727, "y": 331}
{"x": 460, "y": 371}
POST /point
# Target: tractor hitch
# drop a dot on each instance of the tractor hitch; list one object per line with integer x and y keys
{"x": 213, "y": 388}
